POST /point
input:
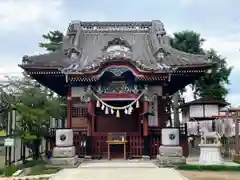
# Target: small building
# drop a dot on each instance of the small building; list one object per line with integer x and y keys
{"x": 202, "y": 112}
{"x": 118, "y": 78}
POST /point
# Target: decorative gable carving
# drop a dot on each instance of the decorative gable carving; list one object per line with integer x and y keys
{"x": 119, "y": 44}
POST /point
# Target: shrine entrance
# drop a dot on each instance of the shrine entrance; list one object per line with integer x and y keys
{"x": 116, "y": 127}
{"x": 123, "y": 123}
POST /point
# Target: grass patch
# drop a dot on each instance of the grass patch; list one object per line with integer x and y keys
{"x": 43, "y": 169}
{"x": 191, "y": 167}
{"x": 9, "y": 170}
{"x": 237, "y": 161}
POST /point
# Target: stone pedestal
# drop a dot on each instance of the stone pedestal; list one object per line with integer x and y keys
{"x": 64, "y": 151}
{"x": 170, "y": 161}
{"x": 170, "y": 153}
{"x": 65, "y": 161}
{"x": 210, "y": 154}
{"x": 64, "y": 154}
{"x": 170, "y": 156}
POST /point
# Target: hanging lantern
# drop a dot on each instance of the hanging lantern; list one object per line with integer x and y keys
{"x": 106, "y": 110}
{"x": 98, "y": 104}
{"x": 126, "y": 111}
{"x": 118, "y": 114}
{"x": 112, "y": 111}
{"x": 137, "y": 104}
{"x": 102, "y": 107}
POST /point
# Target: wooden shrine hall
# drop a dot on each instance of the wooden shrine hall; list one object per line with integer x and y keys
{"x": 118, "y": 78}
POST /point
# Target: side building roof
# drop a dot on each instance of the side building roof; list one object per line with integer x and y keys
{"x": 206, "y": 100}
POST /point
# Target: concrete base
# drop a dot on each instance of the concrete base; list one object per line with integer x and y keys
{"x": 145, "y": 157}
{"x": 64, "y": 152}
{"x": 87, "y": 158}
{"x": 210, "y": 154}
{"x": 66, "y": 162}
{"x": 170, "y": 151}
{"x": 163, "y": 161}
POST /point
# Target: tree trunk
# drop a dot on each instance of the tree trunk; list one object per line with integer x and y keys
{"x": 176, "y": 99}
{"x": 36, "y": 152}
{"x": 24, "y": 152}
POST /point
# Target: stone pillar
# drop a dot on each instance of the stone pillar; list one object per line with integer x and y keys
{"x": 170, "y": 152}
{"x": 237, "y": 137}
{"x": 236, "y": 117}
{"x": 64, "y": 154}
{"x": 146, "y": 142}
{"x": 69, "y": 109}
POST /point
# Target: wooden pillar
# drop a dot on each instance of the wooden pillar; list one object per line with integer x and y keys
{"x": 89, "y": 133}
{"x": 90, "y": 117}
{"x": 93, "y": 117}
{"x": 145, "y": 120}
{"x": 69, "y": 108}
{"x": 213, "y": 125}
{"x": 145, "y": 130}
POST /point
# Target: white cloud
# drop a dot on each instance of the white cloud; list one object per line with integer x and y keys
{"x": 16, "y": 14}
{"x": 234, "y": 99}
{"x": 228, "y": 46}
{"x": 186, "y": 3}
{"x": 9, "y": 70}
{"x": 192, "y": 3}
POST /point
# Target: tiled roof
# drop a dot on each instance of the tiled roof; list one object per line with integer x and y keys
{"x": 83, "y": 47}
{"x": 206, "y": 100}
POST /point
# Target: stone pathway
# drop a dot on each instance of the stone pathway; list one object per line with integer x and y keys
{"x": 117, "y": 164}
{"x": 118, "y": 170}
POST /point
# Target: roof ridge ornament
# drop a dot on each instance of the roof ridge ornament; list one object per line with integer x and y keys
{"x": 158, "y": 27}
{"x": 118, "y": 41}
{"x": 26, "y": 60}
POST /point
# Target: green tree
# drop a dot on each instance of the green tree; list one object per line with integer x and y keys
{"x": 54, "y": 41}
{"x": 34, "y": 103}
{"x": 213, "y": 84}
{"x": 35, "y": 106}
{"x": 188, "y": 41}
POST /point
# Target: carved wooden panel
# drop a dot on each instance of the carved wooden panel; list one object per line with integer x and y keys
{"x": 79, "y": 112}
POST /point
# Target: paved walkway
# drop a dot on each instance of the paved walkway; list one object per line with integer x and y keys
{"x": 118, "y": 164}
{"x": 118, "y": 170}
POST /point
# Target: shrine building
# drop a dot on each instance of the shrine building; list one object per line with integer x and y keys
{"x": 118, "y": 78}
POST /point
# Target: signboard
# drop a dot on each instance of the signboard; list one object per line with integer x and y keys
{"x": 9, "y": 142}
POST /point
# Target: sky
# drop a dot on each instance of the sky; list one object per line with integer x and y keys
{"x": 23, "y": 22}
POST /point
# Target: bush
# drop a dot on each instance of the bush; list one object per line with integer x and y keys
{"x": 191, "y": 167}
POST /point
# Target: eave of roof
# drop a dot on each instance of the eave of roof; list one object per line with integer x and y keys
{"x": 206, "y": 100}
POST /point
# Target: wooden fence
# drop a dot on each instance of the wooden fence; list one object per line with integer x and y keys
{"x": 134, "y": 145}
